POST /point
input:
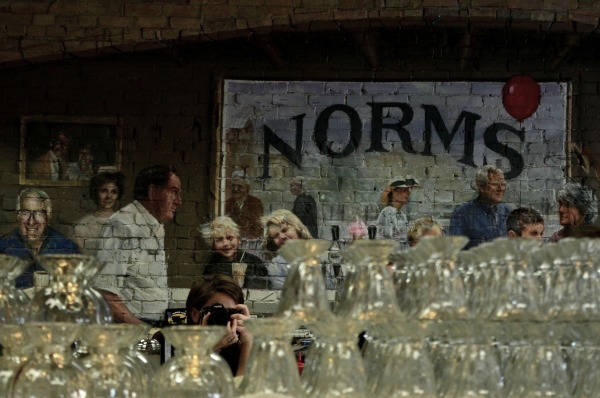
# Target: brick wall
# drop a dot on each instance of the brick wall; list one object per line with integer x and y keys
{"x": 349, "y": 185}
{"x": 163, "y": 110}
{"x": 42, "y": 30}
{"x": 168, "y": 98}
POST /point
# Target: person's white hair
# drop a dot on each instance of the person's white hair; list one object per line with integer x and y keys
{"x": 218, "y": 227}
{"x": 581, "y": 197}
{"x": 482, "y": 175}
{"x": 35, "y": 193}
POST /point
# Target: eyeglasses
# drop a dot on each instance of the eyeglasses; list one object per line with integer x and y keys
{"x": 38, "y": 215}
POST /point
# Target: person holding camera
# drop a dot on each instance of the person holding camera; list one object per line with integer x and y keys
{"x": 219, "y": 300}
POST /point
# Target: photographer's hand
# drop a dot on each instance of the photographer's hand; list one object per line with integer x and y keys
{"x": 240, "y": 329}
{"x": 229, "y": 338}
{"x": 246, "y": 338}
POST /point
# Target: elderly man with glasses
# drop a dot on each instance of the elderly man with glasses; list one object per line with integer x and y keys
{"x": 484, "y": 218}
{"x": 33, "y": 236}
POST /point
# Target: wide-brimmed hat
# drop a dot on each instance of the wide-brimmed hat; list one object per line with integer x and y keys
{"x": 406, "y": 181}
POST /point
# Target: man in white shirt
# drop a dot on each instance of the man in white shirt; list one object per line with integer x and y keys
{"x": 134, "y": 280}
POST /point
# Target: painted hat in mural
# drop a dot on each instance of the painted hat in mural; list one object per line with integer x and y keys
{"x": 406, "y": 181}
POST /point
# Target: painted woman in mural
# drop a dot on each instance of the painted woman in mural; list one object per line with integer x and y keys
{"x": 280, "y": 226}
{"x": 106, "y": 188}
{"x": 577, "y": 206}
{"x": 245, "y": 209}
{"x": 83, "y": 168}
{"x": 392, "y": 222}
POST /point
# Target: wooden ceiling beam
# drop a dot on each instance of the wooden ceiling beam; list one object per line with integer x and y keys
{"x": 369, "y": 47}
{"x": 570, "y": 43}
{"x": 272, "y": 51}
{"x": 468, "y": 51}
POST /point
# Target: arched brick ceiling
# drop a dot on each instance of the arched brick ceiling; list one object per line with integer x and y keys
{"x": 33, "y": 31}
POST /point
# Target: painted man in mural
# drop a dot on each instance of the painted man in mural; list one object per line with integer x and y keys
{"x": 134, "y": 280}
{"x": 484, "y": 218}
{"x": 33, "y": 236}
{"x": 524, "y": 222}
{"x": 52, "y": 164}
{"x": 244, "y": 209}
{"x": 305, "y": 206}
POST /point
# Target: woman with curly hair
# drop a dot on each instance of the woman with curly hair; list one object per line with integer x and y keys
{"x": 577, "y": 207}
{"x": 106, "y": 189}
{"x": 279, "y": 227}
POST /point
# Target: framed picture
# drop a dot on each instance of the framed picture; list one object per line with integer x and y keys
{"x": 68, "y": 151}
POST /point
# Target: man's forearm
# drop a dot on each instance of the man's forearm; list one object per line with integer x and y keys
{"x": 121, "y": 313}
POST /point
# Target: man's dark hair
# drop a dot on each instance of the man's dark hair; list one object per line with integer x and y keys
{"x": 104, "y": 178}
{"x": 55, "y": 136}
{"x": 522, "y": 216}
{"x": 157, "y": 175}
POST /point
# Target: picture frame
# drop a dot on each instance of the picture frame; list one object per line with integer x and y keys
{"x": 67, "y": 150}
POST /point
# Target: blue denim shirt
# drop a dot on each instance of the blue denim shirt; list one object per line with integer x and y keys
{"x": 54, "y": 243}
{"x": 479, "y": 222}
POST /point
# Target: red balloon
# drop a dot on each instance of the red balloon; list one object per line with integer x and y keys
{"x": 521, "y": 96}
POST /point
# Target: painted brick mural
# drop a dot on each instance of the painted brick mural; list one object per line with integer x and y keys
{"x": 348, "y": 139}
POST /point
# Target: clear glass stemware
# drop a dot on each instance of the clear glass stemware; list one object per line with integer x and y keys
{"x": 271, "y": 369}
{"x": 195, "y": 371}
{"x": 304, "y": 293}
{"x": 369, "y": 294}
{"x": 402, "y": 367}
{"x": 13, "y": 302}
{"x": 110, "y": 372}
{"x": 16, "y": 349}
{"x": 333, "y": 366}
{"x": 69, "y": 297}
{"x": 51, "y": 372}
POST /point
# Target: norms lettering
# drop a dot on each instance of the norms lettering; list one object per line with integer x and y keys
{"x": 433, "y": 123}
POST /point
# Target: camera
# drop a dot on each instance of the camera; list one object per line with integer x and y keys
{"x": 219, "y": 315}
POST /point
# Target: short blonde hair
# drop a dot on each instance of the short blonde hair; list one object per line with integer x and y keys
{"x": 218, "y": 227}
{"x": 279, "y": 218}
{"x": 421, "y": 226}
